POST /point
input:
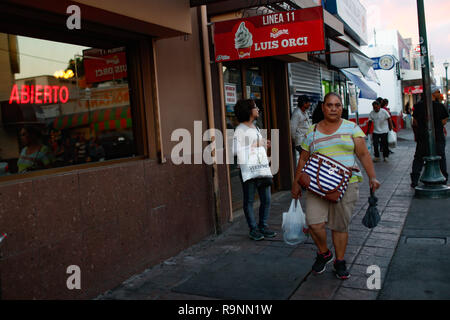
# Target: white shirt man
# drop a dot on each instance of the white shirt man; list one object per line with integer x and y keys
{"x": 300, "y": 121}
{"x": 382, "y": 123}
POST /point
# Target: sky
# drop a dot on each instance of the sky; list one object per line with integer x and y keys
{"x": 402, "y": 15}
{"x": 42, "y": 57}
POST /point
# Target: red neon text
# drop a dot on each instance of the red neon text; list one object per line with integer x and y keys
{"x": 39, "y": 94}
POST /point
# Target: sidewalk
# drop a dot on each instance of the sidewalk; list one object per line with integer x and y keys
{"x": 231, "y": 266}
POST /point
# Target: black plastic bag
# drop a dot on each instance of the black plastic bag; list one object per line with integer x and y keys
{"x": 372, "y": 216}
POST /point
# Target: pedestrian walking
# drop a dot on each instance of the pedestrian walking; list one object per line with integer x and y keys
{"x": 385, "y": 106}
{"x": 249, "y": 145}
{"x": 440, "y": 116}
{"x": 340, "y": 140}
{"x": 300, "y": 121}
{"x": 317, "y": 115}
{"x": 382, "y": 124}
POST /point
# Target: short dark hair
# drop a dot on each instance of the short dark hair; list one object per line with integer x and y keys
{"x": 301, "y": 100}
{"x": 379, "y": 100}
{"x": 384, "y": 103}
{"x": 333, "y": 94}
{"x": 375, "y": 103}
{"x": 243, "y": 109}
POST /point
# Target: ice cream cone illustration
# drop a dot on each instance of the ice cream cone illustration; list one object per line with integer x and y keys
{"x": 243, "y": 41}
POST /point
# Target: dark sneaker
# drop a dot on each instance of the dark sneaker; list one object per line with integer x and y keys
{"x": 267, "y": 233}
{"x": 322, "y": 260}
{"x": 341, "y": 270}
{"x": 256, "y": 235}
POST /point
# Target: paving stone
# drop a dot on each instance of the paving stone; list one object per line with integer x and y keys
{"x": 321, "y": 286}
{"x": 378, "y": 252}
{"x": 369, "y": 260}
{"x": 355, "y": 294}
{"x": 384, "y": 236}
{"x": 380, "y": 243}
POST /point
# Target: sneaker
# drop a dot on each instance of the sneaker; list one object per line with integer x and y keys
{"x": 386, "y": 159}
{"x": 256, "y": 235}
{"x": 340, "y": 270}
{"x": 267, "y": 233}
{"x": 322, "y": 260}
{"x": 376, "y": 159}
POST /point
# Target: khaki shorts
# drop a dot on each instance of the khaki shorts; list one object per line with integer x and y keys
{"x": 336, "y": 215}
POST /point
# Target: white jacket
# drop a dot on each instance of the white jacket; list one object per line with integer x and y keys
{"x": 300, "y": 124}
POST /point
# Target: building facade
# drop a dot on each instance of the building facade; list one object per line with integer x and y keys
{"x": 92, "y": 124}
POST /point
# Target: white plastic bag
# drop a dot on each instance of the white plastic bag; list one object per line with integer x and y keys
{"x": 392, "y": 139}
{"x": 293, "y": 223}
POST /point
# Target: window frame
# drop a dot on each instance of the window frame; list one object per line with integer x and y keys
{"x": 142, "y": 78}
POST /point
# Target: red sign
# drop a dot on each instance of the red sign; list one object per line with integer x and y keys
{"x": 104, "y": 65}
{"x": 413, "y": 90}
{"x": 39, "y": 94}
{"x": 269, "y": 35}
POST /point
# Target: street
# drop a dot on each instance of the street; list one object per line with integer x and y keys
{"x": 231, "y": 266}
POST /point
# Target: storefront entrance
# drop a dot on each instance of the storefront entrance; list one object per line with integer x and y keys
{"x": 264, "y": 81}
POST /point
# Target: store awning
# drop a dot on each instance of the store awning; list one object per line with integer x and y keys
{"x": 343, "y": 53}
{"x": 83, "y": 119}
{"x": 365, "y": 91}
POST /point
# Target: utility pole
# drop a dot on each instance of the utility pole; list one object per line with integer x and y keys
{"x": 432, "y": 176}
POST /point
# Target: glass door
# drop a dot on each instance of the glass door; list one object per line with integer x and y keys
{"x": 241, "y": 81}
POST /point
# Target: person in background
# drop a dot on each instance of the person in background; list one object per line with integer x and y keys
{"x": 245, "y": 141}
{"x": 34, "y": 155}
{"x": 440, "y": 116}
{"x": 300, "y": 121}
{"x": 382, "y": 124}
{"x": 385, "y": 106}
{"x": 317, "y": 115}
{"x": 343, "y": 141}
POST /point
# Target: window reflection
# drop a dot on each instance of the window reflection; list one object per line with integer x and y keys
{"x": 62, "y": 105}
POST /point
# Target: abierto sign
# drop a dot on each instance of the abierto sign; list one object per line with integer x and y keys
{"x": 270, "y": 35}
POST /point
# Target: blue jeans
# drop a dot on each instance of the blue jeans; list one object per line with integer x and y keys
{"x": 249, "y": 188}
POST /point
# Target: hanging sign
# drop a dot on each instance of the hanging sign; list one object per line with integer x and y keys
{"x": 230, "y": 94}
{"x": 104, "y": 65}
{"x": 270, "y": 35}
{"x": 413, "y": 90}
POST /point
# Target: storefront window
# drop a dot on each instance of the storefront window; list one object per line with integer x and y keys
{"x": 254, "y": 91}
{"x": 62, "y": 105}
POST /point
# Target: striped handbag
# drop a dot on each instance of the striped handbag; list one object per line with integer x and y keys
{"x": 325, "y": 176}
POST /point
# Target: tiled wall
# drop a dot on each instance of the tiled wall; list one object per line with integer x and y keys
{"x": 113, "y": 222}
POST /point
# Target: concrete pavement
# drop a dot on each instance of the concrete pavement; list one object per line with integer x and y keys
{"x": 217, "y": 268}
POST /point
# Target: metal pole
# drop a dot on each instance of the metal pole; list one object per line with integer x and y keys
{"x": 432, "y": 176}
{"x": 446, "y": 88}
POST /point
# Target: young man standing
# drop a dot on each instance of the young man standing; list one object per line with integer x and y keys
{"x": 382, "y": 123}
{"x": 300, "y": 122}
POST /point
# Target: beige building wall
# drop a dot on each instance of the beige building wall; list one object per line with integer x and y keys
{"x": 181, "y": 84}
{"x": 172, "y": 14}
{"x": 6, "y": 76}
{"x": 8, "y": 140}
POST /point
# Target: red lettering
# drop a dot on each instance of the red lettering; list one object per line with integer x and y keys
{"x": 47, "y": 94}
{"x": 14, "y": 95}
{"x": 25, "y": 92}
{"x": 55, "y": 93}
{"x": 38, "y": 94}
{"x": 61, "y": 91}
{"x": 32, "y": 94}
